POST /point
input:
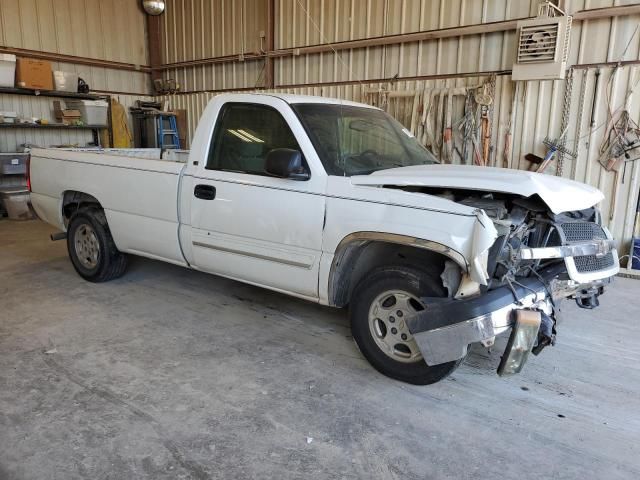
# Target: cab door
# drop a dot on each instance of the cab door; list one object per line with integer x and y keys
{"x": 251, "y": 226}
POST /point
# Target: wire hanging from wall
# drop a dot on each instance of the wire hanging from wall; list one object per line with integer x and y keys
{"x": 622, "y": 138}
{"x": 324, "y": 40}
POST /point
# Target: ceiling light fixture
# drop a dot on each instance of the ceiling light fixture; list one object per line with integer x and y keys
{"x": 153, "y": 7}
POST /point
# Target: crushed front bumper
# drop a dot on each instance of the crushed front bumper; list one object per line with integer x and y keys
{"x": 446, "y": 328}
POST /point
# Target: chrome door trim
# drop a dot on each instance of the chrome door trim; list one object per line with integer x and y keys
{"x": 254, "y": 255}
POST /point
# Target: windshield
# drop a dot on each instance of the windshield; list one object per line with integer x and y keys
{"x": 358, "y": 141}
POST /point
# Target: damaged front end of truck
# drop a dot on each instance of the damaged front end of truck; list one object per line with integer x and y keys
{"x": 520, "y": 268}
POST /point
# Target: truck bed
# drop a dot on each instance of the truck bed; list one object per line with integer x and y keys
{"x": 180, "y": 156}
{"x": 137, "y": 188}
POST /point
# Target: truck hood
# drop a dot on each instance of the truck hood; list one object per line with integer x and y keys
{"x": 560, "y": 194}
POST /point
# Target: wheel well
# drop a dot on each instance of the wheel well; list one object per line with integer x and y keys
{"x": 357, "y": 258}
{"x": 72, "y": 201}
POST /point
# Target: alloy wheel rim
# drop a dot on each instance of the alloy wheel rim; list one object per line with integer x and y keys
{"x": 87, "y": 246}
{"x": 388, "y": 327}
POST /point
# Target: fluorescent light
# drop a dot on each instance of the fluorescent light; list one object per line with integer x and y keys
{"x": 252, "y": 137}
{"x": 240, "y": 136}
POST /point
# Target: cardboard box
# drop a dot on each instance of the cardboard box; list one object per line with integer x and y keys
{"x": 67, "y": 117}
{"x": 70, "y": 117}
{"x": 34, "y": 74}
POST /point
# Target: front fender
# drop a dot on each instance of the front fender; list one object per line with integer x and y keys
{"x": 465, "y": 237}
{"x": 484, "y": 235}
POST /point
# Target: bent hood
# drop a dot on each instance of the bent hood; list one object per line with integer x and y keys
{"x": 560, "y": 194}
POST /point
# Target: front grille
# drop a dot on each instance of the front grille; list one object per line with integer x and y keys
{"x": 591, "y": 263}
{"x": 581, "y": 231}
{"x": 584, "y": 231}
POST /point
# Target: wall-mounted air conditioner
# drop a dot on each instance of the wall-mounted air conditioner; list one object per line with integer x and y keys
{"x": 543, "y": 48}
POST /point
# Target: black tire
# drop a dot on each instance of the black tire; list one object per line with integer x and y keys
{"x": 111, "y": 263}
{"x": 415, "y": 282}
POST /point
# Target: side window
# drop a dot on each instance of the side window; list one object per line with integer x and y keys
{"x": 244, "y": 135}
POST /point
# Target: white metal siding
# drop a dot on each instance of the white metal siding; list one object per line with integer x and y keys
{"x": 108, "y": 30}
{"x": 112, "y": 30}
{"x": 199, "y": 29}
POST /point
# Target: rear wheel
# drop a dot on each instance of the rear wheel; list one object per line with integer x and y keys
{"x": 92, "y": 250}
{"x": 379, "y": 307}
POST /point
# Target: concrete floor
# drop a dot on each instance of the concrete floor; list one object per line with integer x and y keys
{"x": 169, "y": 373}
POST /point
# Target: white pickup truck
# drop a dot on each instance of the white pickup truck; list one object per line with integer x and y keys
{"x": 335, "y": 202}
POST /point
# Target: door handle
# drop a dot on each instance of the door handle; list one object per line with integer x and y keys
{"x": 205, "y": 192}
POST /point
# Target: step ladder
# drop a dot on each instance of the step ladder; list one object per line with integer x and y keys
{"x": 167, "y": 132}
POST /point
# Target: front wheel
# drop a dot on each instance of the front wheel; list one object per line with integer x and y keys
{"x": 92, "y": 250}
{"x": 379, "y": 306}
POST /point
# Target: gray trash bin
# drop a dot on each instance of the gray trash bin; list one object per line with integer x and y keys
{"x": 16, "y": 203}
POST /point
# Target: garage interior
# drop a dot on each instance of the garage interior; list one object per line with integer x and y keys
{"x": 172, "y": 373}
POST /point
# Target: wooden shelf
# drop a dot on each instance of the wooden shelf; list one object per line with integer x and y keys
{"x": 55, "y": 94}
{"x": 51, "y": 93}
{"x": 53, "y": 125}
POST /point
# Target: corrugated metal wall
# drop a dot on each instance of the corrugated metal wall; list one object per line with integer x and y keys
{"x": 109, "y": 30}
{"x": 531, "y": 111}
{"x": 112, "y": 30}
{"x": 197, "y": 29}
{"x": 341, "y": 20}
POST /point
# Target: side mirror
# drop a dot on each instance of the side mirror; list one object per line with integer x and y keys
{"x": 286, "y": 163}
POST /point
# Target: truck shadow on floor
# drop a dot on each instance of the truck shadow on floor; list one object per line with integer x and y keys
{"x": 304, "y": 314}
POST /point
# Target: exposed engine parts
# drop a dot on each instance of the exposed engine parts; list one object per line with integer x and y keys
{"x": 538, "y": 257}
{"x": 526, "y": 224}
